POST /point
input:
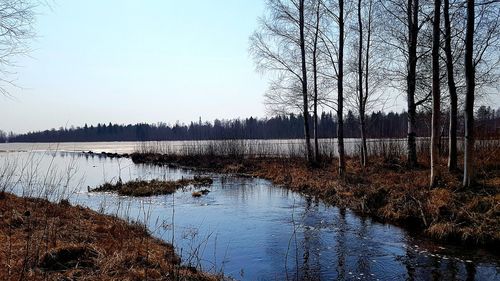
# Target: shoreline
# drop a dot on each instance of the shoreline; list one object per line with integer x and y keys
{"x": 386, "y": 191}
{"x": 58, "y": 241}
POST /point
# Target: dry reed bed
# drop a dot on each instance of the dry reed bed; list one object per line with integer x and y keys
{"x": 386, "y": 190}
{"x": 46, "y": 241}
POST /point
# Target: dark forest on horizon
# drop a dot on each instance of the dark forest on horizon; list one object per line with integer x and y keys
{"x": 379, "y": 125}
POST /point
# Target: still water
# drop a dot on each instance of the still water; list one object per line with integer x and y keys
{"x": 248, "y": 228}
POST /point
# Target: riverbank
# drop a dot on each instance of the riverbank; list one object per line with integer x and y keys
{"x": 46, "y": 241}
{"x": 386, "y": 190}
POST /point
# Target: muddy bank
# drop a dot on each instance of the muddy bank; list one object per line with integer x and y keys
{"x": 139, "y": 188}
{"x": 45, "y": 241}
{"x": 386, "y": 190}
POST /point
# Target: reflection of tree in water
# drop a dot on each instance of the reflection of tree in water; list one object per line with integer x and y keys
{"x": 471, "y": 271}
{"x": 422, "y": 265}
{"x": 354, "y": 253}
{"x": 363, "y": 261}
{"x": 452, "y": 268}
{"x": 409, "y": 263}
{"x": 341, "y": 245}
{"x": 312, "y": 242}
{"x": 436, "y": 269}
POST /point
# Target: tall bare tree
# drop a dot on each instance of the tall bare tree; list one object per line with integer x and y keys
{"x": 436, "y": 93}
{"x": 360, "y": 86}
{"x": 469, "y": 97}
{"x": 452, "y": 88}
{"x": 305, "y": 94}
{"x": 486, "y": 62}
{"x": 363, "y": 95}
{"x": 340, "y": 91}
{"x": 413, "y": 28}
{"x": 407, "y": 61}
{"x": 315, "y": 50}
{"x": 278, "y": 46}
{"x": 364, "y": 67}
{"x": 333, "y": 38}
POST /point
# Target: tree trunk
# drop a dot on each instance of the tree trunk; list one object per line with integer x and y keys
{"x": 315, "y": 74}
{"x": 367, "y": 68}
{"x": 469, "y": 98}
{"x": 436, "y": 94}
{"x": 360, "y": 87}
{"x": 304, "y": 83}
{"x": 340, "y": 88}
{"x": 452, "y": 135}
{"x": 411, "y": 81}
{"x": 316, "y": 141}
{"x": 364, "y": 151}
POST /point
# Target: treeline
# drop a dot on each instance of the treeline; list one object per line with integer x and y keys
{"x": 379, "y": 125}
{"x": 391, "y": 125}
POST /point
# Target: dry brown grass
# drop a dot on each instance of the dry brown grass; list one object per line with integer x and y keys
{"x": 46, "y": 241}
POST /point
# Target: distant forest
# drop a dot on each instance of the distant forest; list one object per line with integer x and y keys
{"x": 379, "y": 125}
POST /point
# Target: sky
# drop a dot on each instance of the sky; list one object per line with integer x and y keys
{"x": 128, "y": 61}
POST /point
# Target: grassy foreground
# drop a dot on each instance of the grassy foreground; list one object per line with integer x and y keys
{"x": 386, "y": 190}
{"x": 45, "y": 241}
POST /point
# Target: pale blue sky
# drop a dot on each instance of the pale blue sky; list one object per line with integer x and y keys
{"x": 130, "y": 61}
{"x": 137, "y": 61}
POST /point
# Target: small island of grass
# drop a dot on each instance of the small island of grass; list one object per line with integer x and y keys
{"x": 143, "y": 188}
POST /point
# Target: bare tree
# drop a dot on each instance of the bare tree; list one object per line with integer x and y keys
{"x": 413, "y": 9}
{"x": 278, "y": 46}
{"x": 315, "y": 50}
{"x": 469, "y": 98}
{"x": 407, "y": 62}
{"x": 310, "y": 158}
{"x": 486, "y": 45}
{"x": 452, "y": 135}
{"x": 364, "y": 65}
{"x": 333, "y": 39}
{"x": 364, "y": 95}
{"x": 16, "y": 30}
{"x": 361, "y": 100}
{"x": 436, "y": 94}
{"x": 340, "y": 91}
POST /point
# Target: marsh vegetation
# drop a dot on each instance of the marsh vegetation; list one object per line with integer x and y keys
{"x": 141, "y": 188}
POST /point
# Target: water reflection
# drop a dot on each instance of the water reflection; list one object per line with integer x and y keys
{"x": 255, "y": 231}
{"x": 341, "y": 243}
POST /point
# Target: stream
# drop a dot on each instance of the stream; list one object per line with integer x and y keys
{"x": 248, "y": 228}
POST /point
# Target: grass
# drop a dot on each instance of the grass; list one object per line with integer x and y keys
{"x": 140, "y": 188}
{"x": 386, "y": 189}
{"x": 46, "y": 241}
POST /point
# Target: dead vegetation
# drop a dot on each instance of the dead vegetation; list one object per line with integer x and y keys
{"x": 386, "y": 190}
{"x": 140, "y": 188}
{"x": 47, "y": 241}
